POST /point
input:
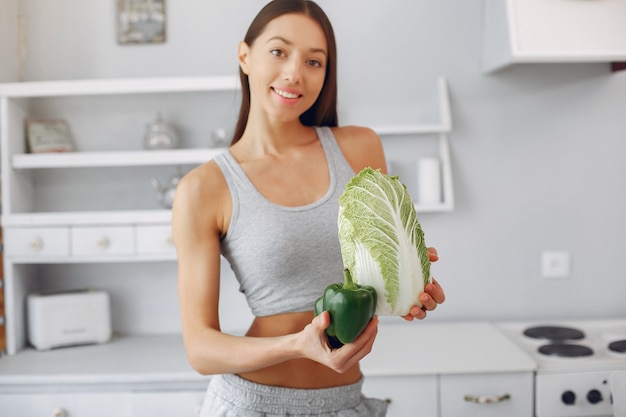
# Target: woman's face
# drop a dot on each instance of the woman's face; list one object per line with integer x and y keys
{"x": 286, "y": 66}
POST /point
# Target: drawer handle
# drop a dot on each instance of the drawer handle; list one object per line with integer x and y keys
{"x": 103, "y": 242}
{"x": 36, "y": 244}
{"x": 487, "y": 399}
{"x": 59, "y": 412}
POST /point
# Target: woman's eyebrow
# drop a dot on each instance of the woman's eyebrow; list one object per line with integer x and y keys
{"x": 289, "y": 43}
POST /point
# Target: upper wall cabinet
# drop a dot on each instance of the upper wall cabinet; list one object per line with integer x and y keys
{"x": 550, "y": 31}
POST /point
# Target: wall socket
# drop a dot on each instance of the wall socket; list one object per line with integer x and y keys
{"x": 555, "y": 264}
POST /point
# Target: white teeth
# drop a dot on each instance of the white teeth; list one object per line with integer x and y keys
{"x": 285, "y": 94}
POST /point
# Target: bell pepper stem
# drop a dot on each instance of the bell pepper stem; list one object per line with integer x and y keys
{"x": 348, "y": 283}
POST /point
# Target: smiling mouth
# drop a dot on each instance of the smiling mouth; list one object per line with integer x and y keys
{"x": 286, "y": 94}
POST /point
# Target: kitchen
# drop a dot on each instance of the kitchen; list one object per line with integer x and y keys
{"x": 536, "y": 150}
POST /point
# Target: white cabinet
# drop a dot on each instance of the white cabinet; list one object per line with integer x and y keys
{"x": 103, "y": 241}
{"x": 155, "y": 240}
{"x": 36, "y": 242}
{"x": 167, "y": 403}
{"x": 455, "y": 395}
{"x": 407, "y": 395}
{"x": 535, "y": 31}
{"x": 105, "y": 404}
{"x": 487, "y": 395}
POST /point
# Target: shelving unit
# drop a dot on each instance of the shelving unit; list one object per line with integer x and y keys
{"x": 36, "y": 235}
{"x": 442, "y": 130}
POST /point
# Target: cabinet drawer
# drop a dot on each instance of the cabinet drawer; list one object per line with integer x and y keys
{"x": 155, "y": 240}
{"x": 36, "y": 242}
{"x": 87, "y": 241}
{"x": 454, "y": 390}
{"x": 407, "y": 395}
{"x": 65, "y": 405}
{"x": 167, "y": 403}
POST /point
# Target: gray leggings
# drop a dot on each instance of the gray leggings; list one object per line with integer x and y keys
{"x": 232, "y": 396}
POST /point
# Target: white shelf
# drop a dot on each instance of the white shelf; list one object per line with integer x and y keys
{"x": 63, "y": 88}
{"x": 94, "y": 218}
{"x": 114, "y": 159}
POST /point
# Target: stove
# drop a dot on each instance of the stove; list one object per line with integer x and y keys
{"x": 581, "y": 365}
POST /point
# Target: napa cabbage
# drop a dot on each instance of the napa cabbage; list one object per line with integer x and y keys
{"x": 382, "y": 241}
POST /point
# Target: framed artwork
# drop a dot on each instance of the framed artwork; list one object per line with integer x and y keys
{"x": 140, "y": 21}
{"x": 48, "y": 136}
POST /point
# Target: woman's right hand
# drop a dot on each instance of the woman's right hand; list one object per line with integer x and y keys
{"x": 315, "y": 344}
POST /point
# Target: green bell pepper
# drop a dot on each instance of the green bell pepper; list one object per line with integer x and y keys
{"x": 351, "y": 307}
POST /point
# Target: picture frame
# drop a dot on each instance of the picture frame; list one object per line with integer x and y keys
{"x": 48, "y": 136}
{"x": 141, "y": 21}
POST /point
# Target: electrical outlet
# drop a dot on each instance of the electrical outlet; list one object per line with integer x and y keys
{"x": 555, "y": 264}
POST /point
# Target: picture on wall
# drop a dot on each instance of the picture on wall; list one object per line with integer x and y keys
{"x": 141, "y": 21}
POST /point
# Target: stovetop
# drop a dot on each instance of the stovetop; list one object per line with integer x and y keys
{"x": 571, "y": 345}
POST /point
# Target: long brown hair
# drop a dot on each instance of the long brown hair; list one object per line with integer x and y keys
{"x": 324, "y": 111}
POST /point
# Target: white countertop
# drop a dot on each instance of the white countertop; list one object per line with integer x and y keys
{"x": 416, "y": 348}
{"x": 420, "y": 348}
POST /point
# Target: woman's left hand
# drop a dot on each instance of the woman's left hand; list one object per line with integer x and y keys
{"x": 433, "y": 295}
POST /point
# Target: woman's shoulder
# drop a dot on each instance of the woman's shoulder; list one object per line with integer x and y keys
{"x": 361, "y": 147}
{"x": 205, "y": 179}
{"x": 201, "y": 194}
{"x": 352, "y": 132}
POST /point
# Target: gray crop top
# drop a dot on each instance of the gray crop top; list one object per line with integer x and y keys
{"x": 284, "y": 257}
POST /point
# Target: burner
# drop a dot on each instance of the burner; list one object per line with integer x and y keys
{"x": 555, "y": 333}
{"x": 618, "y": 346}
{"x": 565, "y": 350}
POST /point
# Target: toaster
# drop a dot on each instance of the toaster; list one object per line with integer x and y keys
{"x": 65, "y": 318}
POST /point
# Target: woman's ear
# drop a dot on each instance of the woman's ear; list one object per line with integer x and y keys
{"x": 243, "y": 54}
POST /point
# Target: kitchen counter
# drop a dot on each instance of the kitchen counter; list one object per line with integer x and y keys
{"x": 418, "y": 348}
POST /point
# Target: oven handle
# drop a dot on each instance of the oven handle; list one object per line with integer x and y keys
{"x": 487, "y": 399}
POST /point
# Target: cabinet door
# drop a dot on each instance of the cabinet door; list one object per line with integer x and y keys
{"x": 36, "y": 242}
{"x": 167, "y": 403}
{"x": 90, "y": 241}
{"x": 487, "y": 395}
{"x": 65, "y": 405}
{"x": 155, "y": 240}
{"x": 569, "y": 27}
{"x": 407, "y": 395}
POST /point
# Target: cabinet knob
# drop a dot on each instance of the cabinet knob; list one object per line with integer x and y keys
{"x": 103, "y": 242}
{"x": 59, "y": 412}
{"x": 36, "y": 243}
{"x": 487, "y": 399}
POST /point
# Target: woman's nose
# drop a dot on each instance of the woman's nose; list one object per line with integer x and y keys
{"x": 293, "y": 71}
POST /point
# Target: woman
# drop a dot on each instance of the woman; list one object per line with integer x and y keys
{"x": 269, "y": 205}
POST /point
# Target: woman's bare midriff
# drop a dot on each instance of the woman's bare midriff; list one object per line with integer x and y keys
{"x": 296, "y": 373}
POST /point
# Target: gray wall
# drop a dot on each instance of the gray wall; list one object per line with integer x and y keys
{"x": 538, "y": 151}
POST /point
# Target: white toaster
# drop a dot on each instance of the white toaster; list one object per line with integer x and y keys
{"x": 68, "y": 318}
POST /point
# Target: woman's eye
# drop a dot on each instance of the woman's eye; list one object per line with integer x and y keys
{"x": 277, "y": 52}
{"x": 315, "y": 63}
